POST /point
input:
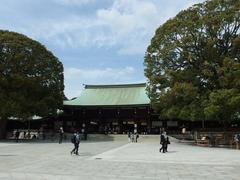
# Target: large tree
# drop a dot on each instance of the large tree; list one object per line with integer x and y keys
{"x": 193, "y": 63}
{"x": 31, "y": 79}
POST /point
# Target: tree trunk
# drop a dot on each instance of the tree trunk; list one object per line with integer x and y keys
{"x": 203, "y": 124}
{"x": 3, "y": 126}
{"x": 225, "y": 125}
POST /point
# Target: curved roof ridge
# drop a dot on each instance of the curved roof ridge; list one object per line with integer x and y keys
{"x": 93, "y": 86}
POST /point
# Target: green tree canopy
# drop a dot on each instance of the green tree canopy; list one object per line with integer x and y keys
{"x": 31, "y": 78}
{"x": 193, "y": 63}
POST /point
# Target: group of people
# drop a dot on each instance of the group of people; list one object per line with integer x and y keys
{"x": 133, "y": 137}
{"x": 164, "y": 142}
{"x": 19, "y": 135}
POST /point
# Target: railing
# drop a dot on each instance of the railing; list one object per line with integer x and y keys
{"x": 214, "y": 139}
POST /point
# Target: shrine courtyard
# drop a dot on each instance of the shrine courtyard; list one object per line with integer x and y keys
{"x": 112, "y": 157}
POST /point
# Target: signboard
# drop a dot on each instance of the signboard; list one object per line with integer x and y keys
{"x": 172, "y": 123}
{"x": 130, "y": 122}
{"x": 157, "y": 123}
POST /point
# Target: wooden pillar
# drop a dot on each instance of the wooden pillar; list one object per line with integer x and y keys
{"x": 120, "y": 122}
{"x": 136, "y": 121}
{"x": 100, "y": 124}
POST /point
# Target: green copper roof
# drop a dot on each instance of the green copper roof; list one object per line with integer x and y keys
{"x": 111, "y": 95}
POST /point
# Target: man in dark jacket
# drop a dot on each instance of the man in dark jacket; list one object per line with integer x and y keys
{"x": 162, "y": 142}
{"x": 17, "y": 133}
{"x": 75, "y": 140}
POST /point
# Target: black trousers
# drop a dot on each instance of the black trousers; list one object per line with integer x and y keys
{"x": 75, "y": 149}
{"x": 60, "y": 138}
{"x": 164, "y": 147}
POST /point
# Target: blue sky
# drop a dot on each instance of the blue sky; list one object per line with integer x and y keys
{"x": 98, "y": 41}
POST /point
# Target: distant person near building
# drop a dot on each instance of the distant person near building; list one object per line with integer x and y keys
{"x": 237, "y": 140}
{"x": 75, "y": 140}
{"x": 132, "y": 137}
{"x": 137, "y": 136}
{"x": 61, "y": 132}
{"x": 17, "y": 133}
{"x": 129, "y": 136}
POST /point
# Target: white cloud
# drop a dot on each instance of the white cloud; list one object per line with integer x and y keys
{"x": 73, "y": 2}
{"x": 126, "y": 24}
{"x": 91, "y": 75}
{"x": 131, "y": 23}
{"x": 74, "y": 76}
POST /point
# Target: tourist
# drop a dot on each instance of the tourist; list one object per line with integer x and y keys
{"x": 129, "y": 136}
{"x": 237, "y": 140}
{"x": 75, "y": 140}
{"x": 28, "y": 135}
{"x": 61, "y": 132}
{"x": 24, "y": 134}
{"x": 17, "y": 133}
{"x": 137, "y": 136}
{"x": 164, "y": 141}
{"x": 132, "y": 137}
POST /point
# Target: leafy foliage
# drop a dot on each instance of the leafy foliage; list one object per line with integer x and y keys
{"x": 194, "y": 59}
{"x": 31, "y": 77}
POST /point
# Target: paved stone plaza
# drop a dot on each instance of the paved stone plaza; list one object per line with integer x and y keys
{"x": 114, "y": 158}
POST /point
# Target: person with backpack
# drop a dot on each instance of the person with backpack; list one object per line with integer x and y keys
{"x": 75, "y": 140}
{"x": 162, "y": 142}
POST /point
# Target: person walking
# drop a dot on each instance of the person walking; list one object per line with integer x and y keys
{"x": 129, "y": 136}
{"x": 132, "y": 137}
{"x": 75, "y": 140}
{"x": 166, "y": 143}
{"x": 237, "y": 140}
{"x": 17, "y": 133}
{"x": 162, "y": 142}
{"x": 61, "y": 132}
{"x": 137, "y": 136}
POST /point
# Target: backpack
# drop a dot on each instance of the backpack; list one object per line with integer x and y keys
{"x": 77, "y": 138}
{"x": 73, "y": 139}
{"x": 238, "y": 137}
